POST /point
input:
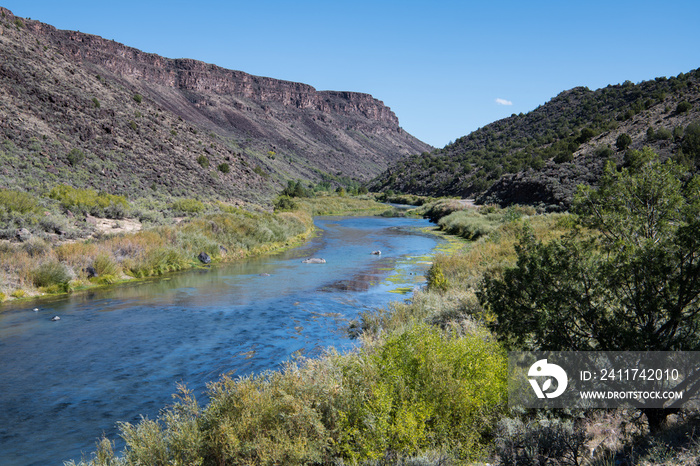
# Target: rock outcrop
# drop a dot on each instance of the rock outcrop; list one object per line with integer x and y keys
{"x": 168, "y": 115}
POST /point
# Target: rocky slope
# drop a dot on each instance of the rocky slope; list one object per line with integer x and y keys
{"x": 140, "y": 122}
{"x": 540, "y": 157}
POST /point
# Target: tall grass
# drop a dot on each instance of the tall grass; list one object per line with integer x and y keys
{"x": 36, "y": 266}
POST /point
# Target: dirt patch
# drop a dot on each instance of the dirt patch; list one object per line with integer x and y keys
{"x": 108, "y": 226}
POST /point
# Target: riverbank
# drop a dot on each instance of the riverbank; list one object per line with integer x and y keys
{"x": 215, "y": 233}
{"x": 427, "y": 384}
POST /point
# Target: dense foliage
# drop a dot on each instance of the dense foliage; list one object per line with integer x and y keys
{"x": 631, "y": 284}
{"x": 540, "y": 145}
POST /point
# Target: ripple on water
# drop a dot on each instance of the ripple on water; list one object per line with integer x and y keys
{"x": 119, "y": 353}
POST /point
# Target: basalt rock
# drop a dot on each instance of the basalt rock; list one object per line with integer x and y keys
{"x": 155, "y": 123}
{"x": 314, "y": 260}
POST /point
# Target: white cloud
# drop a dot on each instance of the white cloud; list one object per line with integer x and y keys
{"x": 503, "y": 102}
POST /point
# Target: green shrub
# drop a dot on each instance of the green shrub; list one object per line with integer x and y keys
{"x": 159, "y": 261}
{"x": 261, "y": 172}
{"x": 17, "y": 201}
{"x": 603, "y": 152}
{"x": 203, "y": 161}
{"x": 663, "y": 134}
{"x": 623, "y": 142}
{"x": 95, "y": 102}
{"x": 188, "y": 206}
{"x": 467, "y": 224}
{"x": 683, "y": 107}
{"x": 51, "y": 273}
{"x": 75, "y": 156}
{"x": 436, "y": 278}
{"x": 105, "y": 266}
{"x": 295, "y": 189}
{"x": 224, "y": 167}
{"x": 678, "y": 133}
{"x": 89, "y": 201}
{"x": 422, "y": 389}
{"x": 138, "y": 98}
{"x": 691, "y": 140}
{"x": 563, "y": 157}
{"x": 285, "y": 204}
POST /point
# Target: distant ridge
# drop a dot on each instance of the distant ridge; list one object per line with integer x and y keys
{"x": 540, "y": 157}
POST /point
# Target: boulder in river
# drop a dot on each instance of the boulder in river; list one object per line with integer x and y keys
{"x": 377, "y": 253}
{"x": 314, "y": 260}
{"x": 55, "y": 318}
{"x": 204, "y": 258}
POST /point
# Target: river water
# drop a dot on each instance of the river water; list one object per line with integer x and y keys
{"x": 118, "y": 353}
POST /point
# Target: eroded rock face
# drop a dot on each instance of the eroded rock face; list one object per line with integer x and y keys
{"x": 84, "y": 88}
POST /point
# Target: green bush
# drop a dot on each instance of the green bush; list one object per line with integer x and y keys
{"x": 188, "y": 206}
{"x": 51, "y": 273}
{"x": 224, "y": 167}
{"x": 285, "y": 204}
{"x": 36, "y": 247}
{"x": 623, "y": 142}
{"x": 664, "y": 134}
{"x": 683, "y": 107}
{"x": 436, "y": 278}
{"x": 17, "y": 201}
{"x": 295, "y": 189}
{"x": 105, "y": 266}
{"x": 422, "y": 389}
{"x": 467, "y": 224}
{"x": 259, "y": 171}
{"x": 691, "y": 140}
{"x": 75, "y": 156}
{"x": 138, "y": 98}
{"x": 89, "y": 201}
{"x": 203, "y": 161}
{"x": 159, "y": 261}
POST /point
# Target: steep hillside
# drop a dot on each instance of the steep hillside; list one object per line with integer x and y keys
{"x": 80, "y": 109}
{"x": 540, "y": 157}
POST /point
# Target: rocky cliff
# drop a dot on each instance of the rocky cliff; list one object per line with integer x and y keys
{"x": 65, "y": 90}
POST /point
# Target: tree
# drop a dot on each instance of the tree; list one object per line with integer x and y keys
{"x": 634, "y": 285}
{"x": 691, "y": 140}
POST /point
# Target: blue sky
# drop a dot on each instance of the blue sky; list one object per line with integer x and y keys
{"x": 445, "y": 68}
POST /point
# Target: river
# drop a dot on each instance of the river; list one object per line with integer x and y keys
{"x": 118, "y": 353}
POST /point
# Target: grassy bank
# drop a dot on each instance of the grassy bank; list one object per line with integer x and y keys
{"x": 176, "y": 233}
{"x": 427, "y": 386}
